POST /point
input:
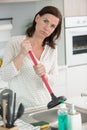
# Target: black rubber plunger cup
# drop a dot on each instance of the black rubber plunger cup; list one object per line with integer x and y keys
{"x": 55, "y": 100}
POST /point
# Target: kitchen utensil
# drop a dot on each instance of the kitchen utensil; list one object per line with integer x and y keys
{"x": 4, "y": 95}
{"x": 19, "y": 112}
{"x": 55, "y": 100}
{"x": 8, "y": 125}
{"x": 1, "y": 111}
{"x": 14, "y": 107}
{"x": 4, "y": 112}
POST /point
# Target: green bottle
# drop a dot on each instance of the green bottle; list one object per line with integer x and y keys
{"x": 62, "y": 116}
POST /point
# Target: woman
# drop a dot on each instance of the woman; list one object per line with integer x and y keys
{"x": 18, "y": 69}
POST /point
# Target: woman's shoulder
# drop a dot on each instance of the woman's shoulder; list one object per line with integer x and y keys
{"x": 50, "y": 48}
{"x": 17, "y": 39}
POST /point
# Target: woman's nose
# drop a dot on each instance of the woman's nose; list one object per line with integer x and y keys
{"x": 47, "y": 27}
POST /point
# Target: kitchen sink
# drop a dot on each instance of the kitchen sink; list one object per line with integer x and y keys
{"x": 46, "y": 115}
{"x": 51, "y": 116}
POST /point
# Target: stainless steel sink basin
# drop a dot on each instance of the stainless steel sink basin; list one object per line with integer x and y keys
{"x": 47, "y": 115}
{"x": 51, "y": 116}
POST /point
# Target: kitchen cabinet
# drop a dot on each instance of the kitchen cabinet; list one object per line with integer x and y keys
{"x": 72, "y": 81}
{"x": 61, "y": 87}
{"x": 76, "y": 80}
{"x": 11, "y": 1}
{"x": 75, "y": 7}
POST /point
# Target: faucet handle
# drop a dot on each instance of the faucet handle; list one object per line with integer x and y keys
{"x": 83, "y": 94}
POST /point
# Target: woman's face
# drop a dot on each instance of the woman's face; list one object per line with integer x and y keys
{"x": 45, "y": 25}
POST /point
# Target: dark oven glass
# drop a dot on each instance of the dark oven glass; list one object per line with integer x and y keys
{"x": 79, "y": 44}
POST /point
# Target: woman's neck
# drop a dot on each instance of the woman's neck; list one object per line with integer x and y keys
{"x": 37, "y": 47}
{"x": 36, "y": 42}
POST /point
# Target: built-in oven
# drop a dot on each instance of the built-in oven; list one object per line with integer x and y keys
{"x": 76, "y": 40}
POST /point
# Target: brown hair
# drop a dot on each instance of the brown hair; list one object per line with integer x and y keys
{"x": 51, "y": 39}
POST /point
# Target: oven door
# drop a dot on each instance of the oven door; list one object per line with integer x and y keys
{"x": 76, "y": 46}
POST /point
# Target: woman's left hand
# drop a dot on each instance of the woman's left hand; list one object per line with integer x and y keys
{"x": 40, "y": 69}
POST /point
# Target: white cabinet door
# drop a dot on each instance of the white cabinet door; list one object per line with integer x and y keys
{"x": 76, "y": 80}
{"x": 60, "y": 89}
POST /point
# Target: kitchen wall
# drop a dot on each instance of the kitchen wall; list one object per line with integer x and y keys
{"x": 72, "y": 80}
{"x": 23, "y": 13}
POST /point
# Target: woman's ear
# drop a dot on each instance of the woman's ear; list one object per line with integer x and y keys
{"x": 37, "y": 17}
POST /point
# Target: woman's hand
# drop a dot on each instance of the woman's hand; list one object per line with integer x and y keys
{"x": 25, "y": 47}
{"x": 40, "y": 69}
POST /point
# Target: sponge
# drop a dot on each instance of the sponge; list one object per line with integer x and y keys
{"x": 42, "y": 124}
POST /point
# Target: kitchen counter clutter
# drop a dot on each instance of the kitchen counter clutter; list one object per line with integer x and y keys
{"x": 51, "y": 114}
{"x": 43, "y": 114}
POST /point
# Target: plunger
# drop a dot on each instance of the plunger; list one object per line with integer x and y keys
{"x": 55, "y": 100}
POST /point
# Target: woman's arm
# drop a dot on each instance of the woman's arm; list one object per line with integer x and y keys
{"x": 13, "y": 58}
{"x": 8, "y": 69}
{"x": 24, "y": 49}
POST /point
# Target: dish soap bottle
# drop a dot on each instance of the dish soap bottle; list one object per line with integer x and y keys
{"x": 62, "y": 116}
{"x": 74, "y": 119}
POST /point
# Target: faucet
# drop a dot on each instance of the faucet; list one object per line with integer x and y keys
{"x": 83, "y": 94}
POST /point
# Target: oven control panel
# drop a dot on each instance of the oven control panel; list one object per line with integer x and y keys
{"x": 80, "y": 21}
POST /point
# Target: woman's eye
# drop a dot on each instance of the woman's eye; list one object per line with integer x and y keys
{"x": 53, "y": 26}
{"x": 45, "y": 21}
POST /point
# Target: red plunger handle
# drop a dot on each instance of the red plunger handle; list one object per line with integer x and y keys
{"x": 43, "y": 76}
